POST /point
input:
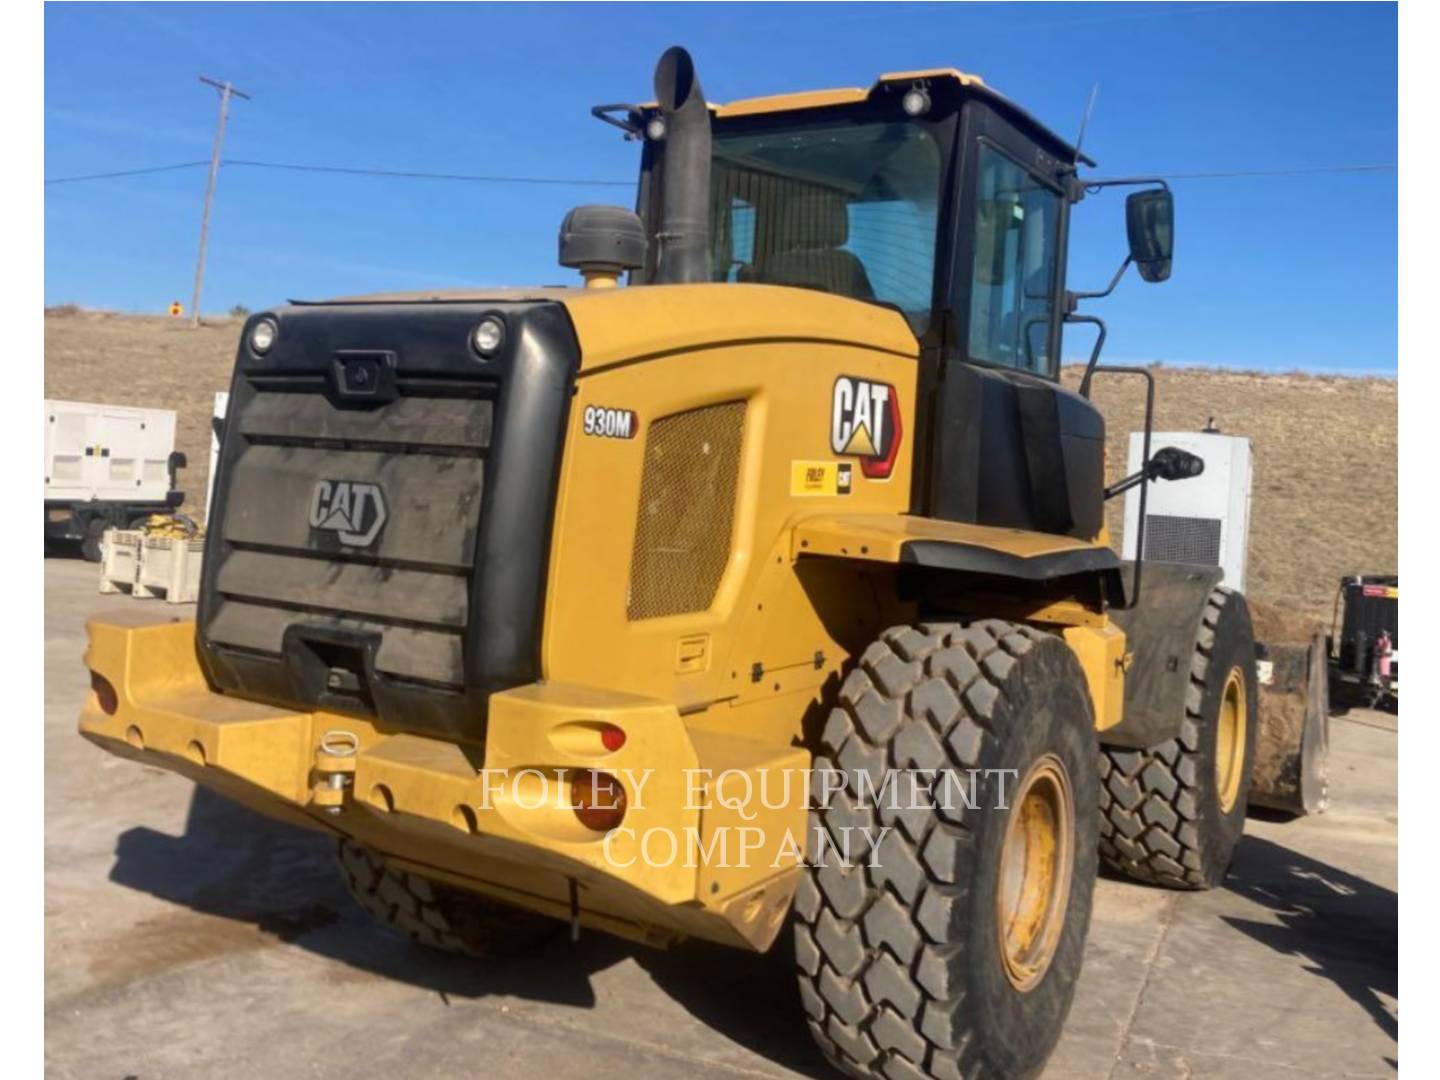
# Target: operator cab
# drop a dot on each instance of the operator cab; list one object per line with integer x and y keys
{"x": 854, "y": 192}
{"x": 928, "y": 193}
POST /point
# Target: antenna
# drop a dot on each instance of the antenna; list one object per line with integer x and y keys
{"x": 1085, "y": 119}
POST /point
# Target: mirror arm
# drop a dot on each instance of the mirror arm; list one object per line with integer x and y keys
{"x": 1075, "y": 297}
{"x": 1129, "y": 482}
{"x": 630, "y": 124}
{"x": 1078, "y": 190}
{"x": 1091, "y": 187}
{"x": 1071, "y": 318}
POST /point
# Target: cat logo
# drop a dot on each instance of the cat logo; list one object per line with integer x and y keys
{"x": 865, "y": 423}
{"x": 353, "y": 510}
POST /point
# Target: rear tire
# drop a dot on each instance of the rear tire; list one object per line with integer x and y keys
{"x": 438, "y": 916}
{"x": 920, "y": 965}
{"x": 1172, "y": 814}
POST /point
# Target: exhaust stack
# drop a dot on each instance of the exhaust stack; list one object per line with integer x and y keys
{"x": 682, "y": 238}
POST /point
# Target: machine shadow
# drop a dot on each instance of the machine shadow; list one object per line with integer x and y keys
{"x": 752, "y": 999}
{"x": 1345, "y": 926}
{"x": 235, "y": 864}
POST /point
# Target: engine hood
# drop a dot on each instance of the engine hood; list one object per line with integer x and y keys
{"x": 620, "y": 325}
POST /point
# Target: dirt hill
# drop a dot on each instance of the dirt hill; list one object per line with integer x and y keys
{"x": 1325, "y": 495}
{"x": 1325, "y": 498}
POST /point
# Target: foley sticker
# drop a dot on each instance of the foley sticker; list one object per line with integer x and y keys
{"x": 820, "y": 478}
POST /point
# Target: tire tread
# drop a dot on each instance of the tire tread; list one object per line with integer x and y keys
{"x": 891, "y": 1010}
{"x": 435, "y": 915}
{"x": 1148, "y": 798}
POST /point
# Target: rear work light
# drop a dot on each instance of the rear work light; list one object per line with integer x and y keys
{"x": 598, "y": 800}
{"x": 105, "y": 695}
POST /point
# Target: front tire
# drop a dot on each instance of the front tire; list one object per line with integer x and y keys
{"x": 1172, "y": 814}
{"x": 956, "y": 953}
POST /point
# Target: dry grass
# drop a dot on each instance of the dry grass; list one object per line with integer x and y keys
{"x": 1325, "y": 498}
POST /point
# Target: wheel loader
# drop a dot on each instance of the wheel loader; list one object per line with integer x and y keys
{"x": 756, "y": 589}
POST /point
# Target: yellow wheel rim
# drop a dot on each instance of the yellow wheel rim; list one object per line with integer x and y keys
{"x": 1036, "y": 864}
{"x": 1230, "y": 740}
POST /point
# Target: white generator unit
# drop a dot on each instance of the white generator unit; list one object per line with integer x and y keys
{"x": 106, "y": 466}
{"x": 107, "y": 452}
{"x": 1203, "y": 520}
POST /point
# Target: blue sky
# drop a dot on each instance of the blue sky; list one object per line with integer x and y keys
{"x": 1274, "y": 272}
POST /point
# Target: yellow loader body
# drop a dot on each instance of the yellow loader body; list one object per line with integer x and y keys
{"x": 713, "y": 664}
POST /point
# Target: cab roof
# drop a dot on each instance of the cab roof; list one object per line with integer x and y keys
{"x": 845, "y": 95}
{"x": 849, "y": 95}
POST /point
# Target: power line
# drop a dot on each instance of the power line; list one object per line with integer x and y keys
{"x": 404, "y": 174}
{"x": 1304, "y": 170}
{"x": 127, "y": 172}
{"x": 411, "y": 174}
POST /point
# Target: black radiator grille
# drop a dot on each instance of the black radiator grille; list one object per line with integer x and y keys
{"x": 310, "y": 597}
{"x": 411, "y": 585}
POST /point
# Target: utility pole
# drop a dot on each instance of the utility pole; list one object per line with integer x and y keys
{"x": 226, "y": 92}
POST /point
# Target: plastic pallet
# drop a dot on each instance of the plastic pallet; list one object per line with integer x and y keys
{"x": 170, "y": 568}
{"x": 120, "y": 560}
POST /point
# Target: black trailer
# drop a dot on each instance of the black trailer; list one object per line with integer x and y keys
{"x": 1365, "y": 653}
{"x": 85, "y": 522}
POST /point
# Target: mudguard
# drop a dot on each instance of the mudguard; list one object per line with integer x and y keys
{"x": 986, "y": 550}
{"x": 1160, "y": 632}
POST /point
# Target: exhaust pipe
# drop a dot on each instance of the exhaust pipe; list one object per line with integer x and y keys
{"x": 682, "y": 240}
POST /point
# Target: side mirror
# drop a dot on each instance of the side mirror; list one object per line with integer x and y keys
{"x": 1150, "y": 224}
{"x": 1172, "y": 463}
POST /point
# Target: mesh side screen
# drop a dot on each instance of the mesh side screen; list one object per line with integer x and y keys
{"x": 687, "y": 505}
{"x": 1182, "y": 539}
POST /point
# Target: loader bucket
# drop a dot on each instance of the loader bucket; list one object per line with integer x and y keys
{"x": 1293, "y": 743}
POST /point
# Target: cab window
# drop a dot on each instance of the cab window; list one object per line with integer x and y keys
{"x": 845, "y": 206}
{"x": 1012, "y": 280}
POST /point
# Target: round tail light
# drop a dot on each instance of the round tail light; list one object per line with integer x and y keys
{"x": 598, "y": 800}
{"x": 612, "y": 738}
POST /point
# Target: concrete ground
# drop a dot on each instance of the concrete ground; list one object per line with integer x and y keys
{"x": 187, "y": 937}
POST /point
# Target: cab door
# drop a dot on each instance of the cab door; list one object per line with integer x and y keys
{"x": 1012, "y": 448}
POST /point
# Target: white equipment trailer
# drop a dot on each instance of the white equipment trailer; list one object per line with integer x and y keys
{"x": 106, "y": 466}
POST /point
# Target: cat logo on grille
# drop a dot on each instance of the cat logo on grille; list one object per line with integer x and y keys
{"x": 353, "y": 510}
{"x": 865, "y": 423}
